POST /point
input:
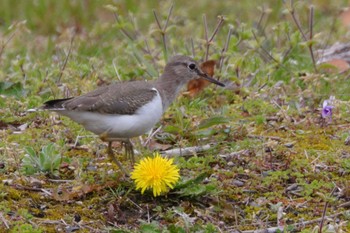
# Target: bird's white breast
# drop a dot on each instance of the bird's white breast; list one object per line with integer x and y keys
{"x": 120, "y": 126}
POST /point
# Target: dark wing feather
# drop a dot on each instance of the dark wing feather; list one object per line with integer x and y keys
{"x": 119, "y": 98}
{"x": 55, "y": 104}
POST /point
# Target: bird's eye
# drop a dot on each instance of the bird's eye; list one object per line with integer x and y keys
{"x": 192, "y": 66}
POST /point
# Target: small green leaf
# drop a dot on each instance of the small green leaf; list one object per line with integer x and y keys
{"x": 172, "y": 129}
{"x": 149, "y": 228}
{"x": 205, "y": 133}
{"x": 216, "y": 120}
{"x": 190, "y": 182}
{"x": 176, "y": 229}
{"x": 47, "y": 160}
{"x": 12, "y": 89}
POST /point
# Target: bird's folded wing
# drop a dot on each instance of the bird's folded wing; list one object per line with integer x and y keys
{"x": 124, "y": 98}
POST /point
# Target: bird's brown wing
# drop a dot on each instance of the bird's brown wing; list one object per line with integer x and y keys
{"x": 119, "y": 98}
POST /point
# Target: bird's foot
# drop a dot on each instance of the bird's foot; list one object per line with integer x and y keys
{"x": 129, "y": 150}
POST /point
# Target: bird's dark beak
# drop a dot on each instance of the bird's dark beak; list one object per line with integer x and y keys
{"x": 210, "y": 79}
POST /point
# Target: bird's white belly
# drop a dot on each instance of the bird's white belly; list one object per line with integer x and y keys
{"x": 120, "y": 126}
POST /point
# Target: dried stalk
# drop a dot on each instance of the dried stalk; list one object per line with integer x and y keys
{"x": 207, "y": 39}
{"x": 265, "y": 52}
{"x": 4, "y": 221}
{"x": 192, "y": 47}
{"x": 224, "y": 50}
{"x": 311, "y": 24}
{"x": 296, "y": 21}
{"x": 122, "y": 29}
{"x": 186, "y": 151}
{"x": 4, "y": 44}
{"x": 66, "y": 59}
{"x": 163, "y": 30}
{"x": 325, "y": 210}
{"x": 148, "y": 50}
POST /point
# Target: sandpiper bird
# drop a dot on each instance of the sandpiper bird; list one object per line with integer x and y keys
{"x": 121, "y": 111}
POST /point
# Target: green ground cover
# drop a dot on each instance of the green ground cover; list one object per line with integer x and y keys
{"x": 273, "y": 160}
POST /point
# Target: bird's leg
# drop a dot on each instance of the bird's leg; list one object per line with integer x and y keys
{"x": 129, "y": 150}
{"x": 104, "y": 137}
{"x": 114, "y": 159}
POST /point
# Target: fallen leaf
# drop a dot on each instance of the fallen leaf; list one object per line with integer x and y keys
{"x": 63, "y": 193}
{"x": 159, "y": 146}
{"x": 345, "y": 17}
{"x": 197, "y": 85}
{"x": 335, "y": 66}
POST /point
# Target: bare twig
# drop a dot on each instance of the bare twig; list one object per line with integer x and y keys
{"x": 220, "y": 21}
{"x": 274, "y": 138}
{"x": 311, "y": 20}
{"x": 131, "y": 36}
{"x": 148, "y": 215}
{"x": 116, "y": 16}
{"x": 263, "y": 49}
{"x": 296, "y": 21}
{"x": 148, "y": 50}
{"x": 51, "y": 222}
{"x": 21, "y": 187}
{"x": 344, "y": 205}
{"x": 279, "y": 216}
{"x": 186, "y": 151}
{"x": 67, "y": 57}
{"x": 60, "y": 181}
{"x": 47, "y": 192}
{"x": 236, "y": 154}
{"x": 192, "y": 47}
{"x": 324, "y": 210}
{"x": 156, "y": 17}
{"x": 224, "y": 50}
{"x": 207, "y": 39}
{"x": 167, "y": 19}
{"x": 151, "y": 135}
{"x": 4, "y": 44}
{"x": 116, "y": 71}
{"x": 141, "y": 63}
{"x": 163, "y": 30}
{"x": 24, "y": 74}
{"x": 4, "y": 221}
{"x": 265, "y": 52}
{"x": 260, "y": 19}
{"x": 80, "y": 137}
{"x": 135, "y": 204}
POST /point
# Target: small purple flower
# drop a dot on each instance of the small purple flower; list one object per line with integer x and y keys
{"x": 327, "y": 111}
{"x": 327, "y": 108}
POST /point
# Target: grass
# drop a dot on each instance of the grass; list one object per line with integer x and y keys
{"x": 273, "y": 161}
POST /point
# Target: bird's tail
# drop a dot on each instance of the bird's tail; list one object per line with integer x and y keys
{"x": 51, "y": 105}
{"x": 55, "y": 104}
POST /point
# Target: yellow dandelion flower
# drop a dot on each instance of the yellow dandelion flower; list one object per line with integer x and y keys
{"x": 155, "y": 173}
